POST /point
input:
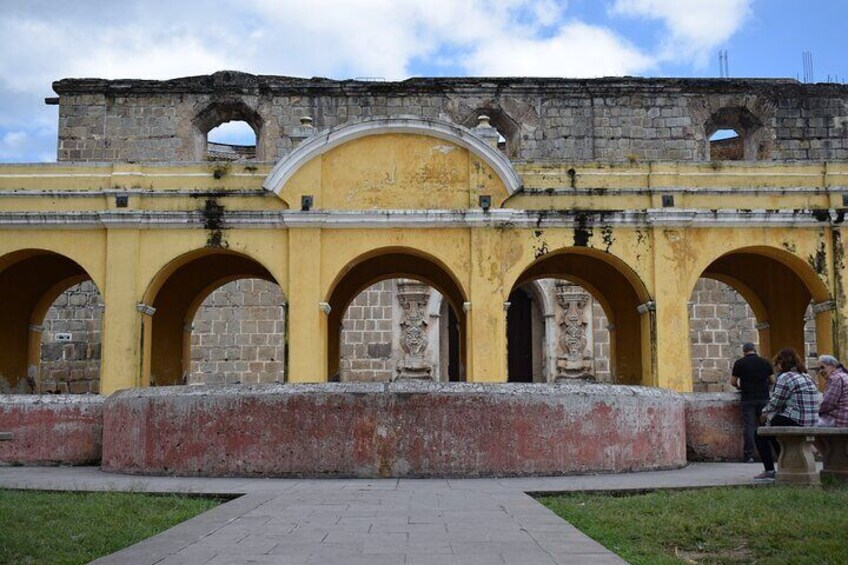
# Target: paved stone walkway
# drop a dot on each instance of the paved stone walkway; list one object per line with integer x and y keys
{"x": 373, "y": 522}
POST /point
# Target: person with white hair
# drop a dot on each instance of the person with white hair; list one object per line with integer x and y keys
{"x": 833, "y": 410}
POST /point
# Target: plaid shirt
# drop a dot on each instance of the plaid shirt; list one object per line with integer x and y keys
{"x": 796, "y": 397}
{"x": 835, "y": 401}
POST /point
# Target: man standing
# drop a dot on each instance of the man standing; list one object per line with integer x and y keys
{"x": 753, "y": 376}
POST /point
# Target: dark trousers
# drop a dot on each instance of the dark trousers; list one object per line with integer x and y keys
{"x": 751, "y": 410}
{"x": 765, "y": 445}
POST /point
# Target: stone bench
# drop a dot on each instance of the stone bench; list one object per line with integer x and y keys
{"x": 797, "y": 463}
{"x": 5, "y": 436}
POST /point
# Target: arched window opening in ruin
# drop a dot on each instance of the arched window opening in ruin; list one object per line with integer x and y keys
{"x": 238, "y": 335}
{"x": 735, "y": 134}
{"x": 497, "y": 128}
{"x": 387, "y": 319}
{"x": 227, "y": 130}
{"x": 231, "y": 141}
{"x": 556, "y": 330}
{"x": 176, "y": 297}
{"x": 396, "y": 329}
{"x": 50, "y": 327}
{"x": 726, "y": 145}
{"x": 594, "y": 297}
{"x": 764, "y": 296}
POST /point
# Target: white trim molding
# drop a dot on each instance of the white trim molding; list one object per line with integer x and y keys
{"x": 325, "y": 140}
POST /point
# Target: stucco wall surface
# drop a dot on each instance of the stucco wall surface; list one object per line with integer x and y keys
{"x": 51, "y": 429}
{"x": 404, "y": 429}
{"x": 713, "y": 426}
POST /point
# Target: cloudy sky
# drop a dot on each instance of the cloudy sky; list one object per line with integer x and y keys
{"x": 45, "y": 40}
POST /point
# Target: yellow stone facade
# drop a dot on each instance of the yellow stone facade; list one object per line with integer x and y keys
{"x": 402, "y": 198}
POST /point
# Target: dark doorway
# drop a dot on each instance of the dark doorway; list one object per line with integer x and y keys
{"x": 454, "y": 372}
{"x": 519, "y": 335}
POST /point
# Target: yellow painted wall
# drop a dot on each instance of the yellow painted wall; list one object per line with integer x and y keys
{"x": 654, "y": 265}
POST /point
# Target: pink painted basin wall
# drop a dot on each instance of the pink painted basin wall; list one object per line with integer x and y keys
{"x": 404, "y": 429}
{"x": 51, "y": 430}
{"x": 713, "y": 426}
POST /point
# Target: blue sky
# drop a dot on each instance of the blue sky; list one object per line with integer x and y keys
{"x": 45, "y": 40}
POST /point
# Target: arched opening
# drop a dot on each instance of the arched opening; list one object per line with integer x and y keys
{"x": 762, "y": 295}
{"x": 557, "y": 330}
{"x": 231, "y": 141}
{"x": 597, "y": 299}
{"x": 238, "y": 335}
{"x": 726, "y": 145}
{"x": 424, "y": 330}
{"x": 228, "y": 131}
{"x": 505, "y": 134}
{"x": 735, "y": 134}
{"x": 172, "y": 302}
{"x": 31, "y": 281}
{"x": 377, "y": 326}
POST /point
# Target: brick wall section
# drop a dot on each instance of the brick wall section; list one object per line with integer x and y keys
{"x": 562, "y": 119}
{"x": 239, "y": 335}
{"x": 720, "y": 321}
{"x": 72, "y": 366}
{"x": 601, "y": 343}
{"x": 366, "y": 340}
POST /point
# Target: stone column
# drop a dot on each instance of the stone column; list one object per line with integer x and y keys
{"x": 413, "y": 298}
{"x": 574, "y": 360}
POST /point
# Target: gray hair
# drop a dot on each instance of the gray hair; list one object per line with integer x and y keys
{"x": 828, "y": 360}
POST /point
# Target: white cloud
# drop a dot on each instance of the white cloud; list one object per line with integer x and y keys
{"x": 577, "y": 50}
{"x": 696, "y": 27}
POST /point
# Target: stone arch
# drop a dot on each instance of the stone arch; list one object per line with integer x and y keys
{"x": 623, "y": 297}
{"x": 383, "y": 264}
{"x": 749, "y": 118}
{"x": 30, "y": 281}
{"x": 171, "y": 302}
{"x": 502, "y": 122}
{"x": 327, "y": 140}
{"x": 779, "y": 287}
{"x": 222, "y": 111}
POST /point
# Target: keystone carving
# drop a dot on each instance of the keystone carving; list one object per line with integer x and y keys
{"x": 413, "y": 298}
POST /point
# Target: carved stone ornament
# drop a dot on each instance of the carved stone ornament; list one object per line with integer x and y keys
{"x": 573, "y": 360}
{"x": 413, "y": 298}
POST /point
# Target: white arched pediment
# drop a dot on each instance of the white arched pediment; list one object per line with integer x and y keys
{"x": 327, "y": 140}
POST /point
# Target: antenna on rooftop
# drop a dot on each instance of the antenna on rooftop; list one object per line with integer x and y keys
{"x": 807, "y": 58}
{"x": 723, "y": 69}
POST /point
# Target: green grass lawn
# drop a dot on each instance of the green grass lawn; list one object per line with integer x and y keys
{"x": 769, "y": 524}
{"x": 45, "y": 528}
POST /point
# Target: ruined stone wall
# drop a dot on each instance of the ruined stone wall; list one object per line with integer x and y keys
{"x": 239, "y": 335}
{"x": 72, "y": 365}
{"x": 367, "y": 344}
{"x": 541, "y": 119}
{"x": 720, "y": 321}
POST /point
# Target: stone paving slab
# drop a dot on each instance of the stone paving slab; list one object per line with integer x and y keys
{"x": 373, "y": 522}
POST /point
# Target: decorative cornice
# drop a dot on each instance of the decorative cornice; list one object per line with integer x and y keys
{"x": 649, "y": 306}
{"x": 146, "y": 309}
{"x": 826, "y": 306}
{"x": 355, "y": 219}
